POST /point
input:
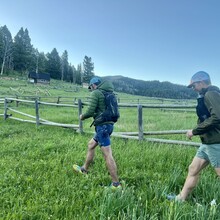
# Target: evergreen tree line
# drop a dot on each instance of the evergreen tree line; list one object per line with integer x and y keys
{"x": 151, "y": 88}
{"x": 18, "y": 54}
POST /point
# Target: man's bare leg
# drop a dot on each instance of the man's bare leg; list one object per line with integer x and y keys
{"x": 193, "y": 176}
{"x": 217, "y": 170}
{"x": 110, "y": 163}
{"x": 90, "y": 153}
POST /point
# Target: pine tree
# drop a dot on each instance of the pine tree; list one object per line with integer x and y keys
{"x": 23, "y": 51}
{"x": 64, "y": 66}
{"x": 79, "y": 74}
{"x": 53, "y": 64}
{"x": 88, "y": 67}
{"x": 73, "y": 72}
{"x": 40, "y": 61}
{"x": 6, "y": 48}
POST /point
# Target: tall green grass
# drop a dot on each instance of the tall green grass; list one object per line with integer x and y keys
{"x": 37, "y": 181}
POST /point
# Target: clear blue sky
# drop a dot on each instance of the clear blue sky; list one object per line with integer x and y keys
{"x": 165, "y": 40}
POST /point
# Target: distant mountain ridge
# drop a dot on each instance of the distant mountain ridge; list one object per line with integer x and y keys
{"x": 150, "y": 88}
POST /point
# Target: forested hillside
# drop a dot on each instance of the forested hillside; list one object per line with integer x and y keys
{"x": 151, "y": 88}
{"x": 19, "y": 55}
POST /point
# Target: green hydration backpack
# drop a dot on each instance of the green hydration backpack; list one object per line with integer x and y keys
{"x": 111, "y": 113}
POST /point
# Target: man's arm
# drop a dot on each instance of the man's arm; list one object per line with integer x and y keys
{"x": 92, "y": 106}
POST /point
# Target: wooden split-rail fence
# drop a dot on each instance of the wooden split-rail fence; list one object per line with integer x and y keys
{"x": 139, "y": 135}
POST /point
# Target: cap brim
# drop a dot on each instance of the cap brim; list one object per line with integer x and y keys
{"x": 190, "y": 85}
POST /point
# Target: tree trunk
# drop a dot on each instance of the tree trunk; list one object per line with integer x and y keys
{"x": 3, "y": 64}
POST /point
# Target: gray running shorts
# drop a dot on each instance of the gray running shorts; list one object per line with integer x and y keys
{"x": 211, "y": 153}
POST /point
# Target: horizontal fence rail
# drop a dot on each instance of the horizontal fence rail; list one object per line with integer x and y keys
{"x": 161, "y": 106}
{"x": 158, "y": 140}
{"x": 158, "y": 106}
{"x": 71, "y": 99}
{"x": 36, "y": 119}
{"x": 155, "y": 132}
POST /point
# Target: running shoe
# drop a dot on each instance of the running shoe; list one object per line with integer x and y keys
{"x": 79, "y": 169}
{"x": 115, "y": 187}
{"x": 174, "y": 197}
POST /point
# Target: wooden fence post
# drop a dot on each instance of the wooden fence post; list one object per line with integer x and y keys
{"x": 58, "y": 99}
{"x": 37, "y": 112}
{"x": 80, "y": 112}
{"x": 17, "y": 101}
{"x": 6, "y": 108}
{"x": 140, "y": 123}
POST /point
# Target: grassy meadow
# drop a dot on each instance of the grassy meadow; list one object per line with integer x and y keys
{"x": 37, "y": 181}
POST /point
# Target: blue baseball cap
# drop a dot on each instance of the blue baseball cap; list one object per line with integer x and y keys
{"x": 95, "y": 80}
{"x": 198, "y": 77}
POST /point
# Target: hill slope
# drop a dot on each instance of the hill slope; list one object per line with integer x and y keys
{"x": 150, "y": 88}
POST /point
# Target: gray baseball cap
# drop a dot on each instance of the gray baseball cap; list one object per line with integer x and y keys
{"x": 198, "y": 77}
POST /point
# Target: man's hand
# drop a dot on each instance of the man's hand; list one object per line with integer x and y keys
{"x": 81, "y": 117}
{"x": 189, "y": 134}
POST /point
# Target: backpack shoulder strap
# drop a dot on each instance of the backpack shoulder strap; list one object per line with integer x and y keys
{"x": 105, "y": 92}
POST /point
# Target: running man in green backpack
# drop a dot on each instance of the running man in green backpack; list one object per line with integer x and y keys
{"x": 103, "y": 131}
